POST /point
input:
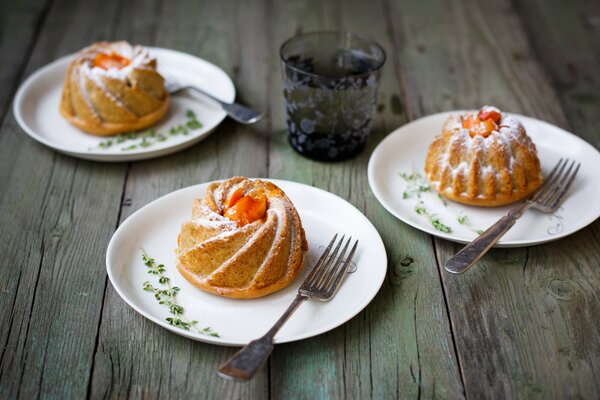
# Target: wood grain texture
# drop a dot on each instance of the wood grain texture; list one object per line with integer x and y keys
{"x": 20, "y": 24}
{"x": 400, "y": 346}
{"x": 54, "y": 229}
{"x": 564, "y": 38}
{"x": 509, "y": 304}
{"x": 522, "y": 324}
{"x": 152, "y": 362}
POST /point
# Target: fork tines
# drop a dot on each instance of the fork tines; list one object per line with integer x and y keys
{"x": 325, "y": 277}
{"x": 556, "y": 185}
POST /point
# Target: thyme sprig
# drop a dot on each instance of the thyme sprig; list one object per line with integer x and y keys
{"x": 416, "y": 187}
{"x": 166, "y": 296}
{"x": 149, "y": 137}
{"x": 433, "y": 218}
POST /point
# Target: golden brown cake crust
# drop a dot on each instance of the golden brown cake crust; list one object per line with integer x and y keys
{"x": 113, "y": 128}
{"x": 254, "y": 260}
{"x": 107, "y": 101}
{"x": 479, "y": 170}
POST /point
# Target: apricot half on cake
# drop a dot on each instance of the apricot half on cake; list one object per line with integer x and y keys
{"x": 483, "y": 159}
{"x": 244, "y": 240}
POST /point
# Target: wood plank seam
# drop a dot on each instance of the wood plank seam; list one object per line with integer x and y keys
{"x": 12, "y": 318}
{"x": 401, "y": 77}
{"x": 445, "y": 296}
{"x": 418, "y": 380}
{"x": 26, "y": 57}
{"x": 35, "y": 286}
{"x": 99, "y": 322}
{"x": 400, "y": 74}
{"x": 46, "y": 190}
{"x": 371, "y": 363}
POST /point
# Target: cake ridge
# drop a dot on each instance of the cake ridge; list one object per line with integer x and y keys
{"x": 270, "y": 256}
{"x": 274, "y": 252}
{"x": 483, "y": 161}
{"x": 227, "y": 269}
{"x": 201, "y": 258}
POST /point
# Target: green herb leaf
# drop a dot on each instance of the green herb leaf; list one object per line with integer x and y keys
{"x": 420, "y": 208}
{"x": 194, "y": 124}
{"x": 176, "y": 309}
{"x": 105, "y": 144}
{"x": 150, "y": 137}
{"x": 167, "y": 296}
{"x": 438, "y": 225}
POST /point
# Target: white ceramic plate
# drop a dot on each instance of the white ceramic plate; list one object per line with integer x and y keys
{"x": 404, "y": 150}
{"x": 155, "y": 228}
{"x": 37, "y": 100}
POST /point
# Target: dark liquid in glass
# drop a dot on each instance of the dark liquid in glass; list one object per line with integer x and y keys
{"x": 330, "y": 103}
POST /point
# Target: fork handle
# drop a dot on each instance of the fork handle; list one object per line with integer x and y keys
{"x": 244, "y": 364}
{"x": 202, "y": 92}
{"x": 238, "y": 112}
{"x": 472, "y": 252}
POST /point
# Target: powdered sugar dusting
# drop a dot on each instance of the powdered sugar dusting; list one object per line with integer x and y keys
{"x": 138, "y": 56}
{"x": 84, "y": 93}
{"x": 509, "y": 129}
{"x": 89, "y": 72}
{"x": 211, "y": 223}
{"x": 458, "y": 153}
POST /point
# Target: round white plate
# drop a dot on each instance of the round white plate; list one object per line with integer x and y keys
{"x": 37, "y": 101}
{"x": 155, "y": 228}
{"x": 404, "y": 150}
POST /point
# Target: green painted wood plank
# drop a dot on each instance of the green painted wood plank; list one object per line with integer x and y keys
{"x": 149, "y": 361}
{"x": 400, "y": 346}
{"x": 513, "y": 328}
{"x": 525, "y": 321}
{"x": 19, "y": 21}
{"x": 19, "y": 25}
{"x": 564, "y": 37}
{"x": 56, "y": 215}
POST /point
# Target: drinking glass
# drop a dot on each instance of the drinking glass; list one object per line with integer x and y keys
{"x": 330, "y": 88}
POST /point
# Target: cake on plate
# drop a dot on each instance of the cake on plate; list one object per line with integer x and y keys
{"x": 113, "y": 88}
{"x": 244, "y": 240}
{"x": 483, "y": 159}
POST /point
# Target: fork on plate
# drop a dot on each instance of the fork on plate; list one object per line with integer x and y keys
{"x": 242, "y": 114}
{"x": 546, "y": 199}
{"x": 322, "y": 283}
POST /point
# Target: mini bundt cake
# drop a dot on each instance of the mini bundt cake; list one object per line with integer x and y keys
{"x": 483, "y": 159}
{"x": 113, "y": 88}
{"x": 244, "y": 240}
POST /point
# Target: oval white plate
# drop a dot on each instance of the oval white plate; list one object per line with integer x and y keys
{"x": 37, "y": 101}
{"x": 155, "y": 228}
{"x": 404, "y": 150}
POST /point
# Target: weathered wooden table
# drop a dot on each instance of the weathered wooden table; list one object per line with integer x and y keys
{"x": 524, "y": 324}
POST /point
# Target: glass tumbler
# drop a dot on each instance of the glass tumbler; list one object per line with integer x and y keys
{"x": 330, "y": 88}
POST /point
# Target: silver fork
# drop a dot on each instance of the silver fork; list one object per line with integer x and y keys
{"x": 237, "y": 112}
{"x": 322, "y": 283}
{"x": 546, "y": 199}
